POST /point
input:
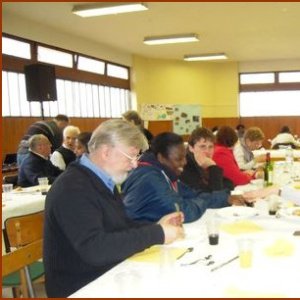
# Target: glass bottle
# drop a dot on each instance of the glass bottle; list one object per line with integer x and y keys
{"x": 268, "y": 170}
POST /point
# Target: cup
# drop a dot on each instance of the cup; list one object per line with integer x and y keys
{"x": 7, "y": 189}
{"x": 273, "y": 202}
{"x": 245, "y": 252}
{"x": 43, "y": 183}
{"x": 213, "y": 227}
{"x": 258, "y": 183}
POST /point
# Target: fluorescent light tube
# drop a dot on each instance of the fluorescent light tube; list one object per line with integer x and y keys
{"x": 205, "y": 57}
{"x": 171, "y": 39}
{"x": 107, "y": 8}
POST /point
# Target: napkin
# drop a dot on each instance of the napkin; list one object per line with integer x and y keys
{"x": 153, "y": 254}
{"x": 240, "y": 227}
{"x": 280, "y": 247}
{"x": 233, "y": 292}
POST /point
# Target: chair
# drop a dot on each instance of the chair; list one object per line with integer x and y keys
{"x": 21, "y": 258}
{"x": 11, "y": 179}
{"x": 277, "y": 146}
{"x": 21, "y": 231}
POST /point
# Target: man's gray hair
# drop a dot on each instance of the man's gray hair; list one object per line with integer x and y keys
{"x": 113, "y": 132}
{"x": 73, "y": 130}
{"x": 36, "y": 140}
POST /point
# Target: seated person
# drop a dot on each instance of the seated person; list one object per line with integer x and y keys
{"x": 240, "y": 130}
{"x": 242, "y": 151}
{"x": 37, "y": 163}
{"x": 87, "y": 231}
{"x": 133, "y": 117}
{"x": 284, "y": 137}
{"x": 81, "y": 143}
{"x": 224, "y": 158}
{"x": 153, "y": 189}
{"x": 200, "y": 171}
{"x": 64, "y": 155}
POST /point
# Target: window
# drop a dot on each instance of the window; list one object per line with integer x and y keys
{"x": 15, "y": 48}
{"x": 55, "y": 57}
{"x": 92, "y": 95}
{"x": 91, "y": 65}
{"x": 270, "y": 94}
{"x": 75, "y": 99}
{"x": 289, "y": 77}
{"x": 277, "y": 103}
{"x": 117, "y": 71}
{"x": 257, "y": 78}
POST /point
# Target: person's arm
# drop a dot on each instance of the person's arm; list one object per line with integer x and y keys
{"x": 89, "y": 227}
{"x": 239, "y": 156}
{"x": 58, "y": 160}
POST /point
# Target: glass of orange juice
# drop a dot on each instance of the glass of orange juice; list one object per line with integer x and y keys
{"x": 245, "y": 252}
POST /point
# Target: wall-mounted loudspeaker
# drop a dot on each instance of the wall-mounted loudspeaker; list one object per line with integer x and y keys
{"x": 40, "y": 82}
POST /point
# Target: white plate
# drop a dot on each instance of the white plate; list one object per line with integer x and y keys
{"x": 237, "y": 212}
{"x": 289, "y": 213}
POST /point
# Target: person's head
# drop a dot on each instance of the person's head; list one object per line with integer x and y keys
{"x": 226, "y": 136}
{"x": 215, "y": 130}
{"x": 133, "y": 117}
{"x": 115, "y": 146}
{"x": 70, "y": 134}
{"x": 40, "y": 144}
{"x": 254, "y": 138}
{"x": 202, "y": 140}
{"x": 240, "y": 129}
{"x": 61, "y": 121}
{"x": 169, "y": 149}
{"x": 285, "y": 129}
{"x": 81, "y": 143}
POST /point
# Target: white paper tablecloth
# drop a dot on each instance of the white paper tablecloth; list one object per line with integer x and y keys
{"x": 268, "y": 276}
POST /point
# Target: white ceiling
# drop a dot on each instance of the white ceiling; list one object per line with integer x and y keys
{"x": 244, "y": 31}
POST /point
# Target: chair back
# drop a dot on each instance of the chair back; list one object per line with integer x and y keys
{"x": 22, "y": 257}
{"x": 11, "y": 179}
{"x": 23, "y": 230}
{"x": 277, "y": 146}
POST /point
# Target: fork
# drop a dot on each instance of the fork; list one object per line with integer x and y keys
{"x": 199, "y": 259}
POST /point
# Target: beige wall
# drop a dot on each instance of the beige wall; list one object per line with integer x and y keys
{"x": 212, "y": 85}
{"x": 21, "y": 27}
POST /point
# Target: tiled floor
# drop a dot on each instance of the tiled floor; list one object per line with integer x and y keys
{"x": 38, "y": 287}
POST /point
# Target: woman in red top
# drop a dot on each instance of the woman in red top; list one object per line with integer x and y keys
{"x": 224, "y": 158}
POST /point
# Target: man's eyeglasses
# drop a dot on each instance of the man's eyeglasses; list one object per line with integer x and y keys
{"x": 132, "y": 159}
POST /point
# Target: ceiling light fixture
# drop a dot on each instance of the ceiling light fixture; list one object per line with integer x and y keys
{"x": 107, "y": 8}
{"x": 171, "y": 39}
{"x": 205, "y": 57}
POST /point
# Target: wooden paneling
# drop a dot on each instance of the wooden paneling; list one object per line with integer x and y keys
{"x": 13, "y": 128}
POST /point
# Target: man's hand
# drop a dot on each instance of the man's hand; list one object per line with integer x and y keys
{"x": 237, "y": 200}
{"x": 172, "y": 226}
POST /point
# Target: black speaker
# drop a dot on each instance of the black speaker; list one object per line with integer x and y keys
{"x": 40, "y": 82}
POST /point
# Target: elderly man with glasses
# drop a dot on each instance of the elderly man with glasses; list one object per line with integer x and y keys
{"x": 87, "y": 231}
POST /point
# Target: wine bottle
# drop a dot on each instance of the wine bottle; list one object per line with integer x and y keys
{"x": 268, "y": 170}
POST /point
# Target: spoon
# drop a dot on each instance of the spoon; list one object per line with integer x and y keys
{"x": 190, "y": 249}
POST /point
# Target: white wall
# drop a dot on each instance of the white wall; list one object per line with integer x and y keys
{"x": 21, "y": 27}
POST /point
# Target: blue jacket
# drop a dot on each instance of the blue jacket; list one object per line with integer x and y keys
{"x": 149, "y": 193}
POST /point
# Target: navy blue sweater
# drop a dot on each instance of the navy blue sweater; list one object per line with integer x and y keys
{"x": 87, "y": 231}
{"x": 148, "y": 193}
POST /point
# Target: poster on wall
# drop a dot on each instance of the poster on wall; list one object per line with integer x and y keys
{"x": 156, "y": 112}
{"x": 186, "y": 118}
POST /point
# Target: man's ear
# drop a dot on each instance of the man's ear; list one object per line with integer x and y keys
{"x": 104, "y": 152}
{"x": 191, "y": 149}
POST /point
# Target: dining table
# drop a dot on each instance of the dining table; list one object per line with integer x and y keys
{"x": 21, "y": 201}
{"x": 191, "y": 267}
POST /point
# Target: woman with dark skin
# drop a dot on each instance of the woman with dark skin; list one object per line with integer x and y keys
{"x": 153, "y": 188}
